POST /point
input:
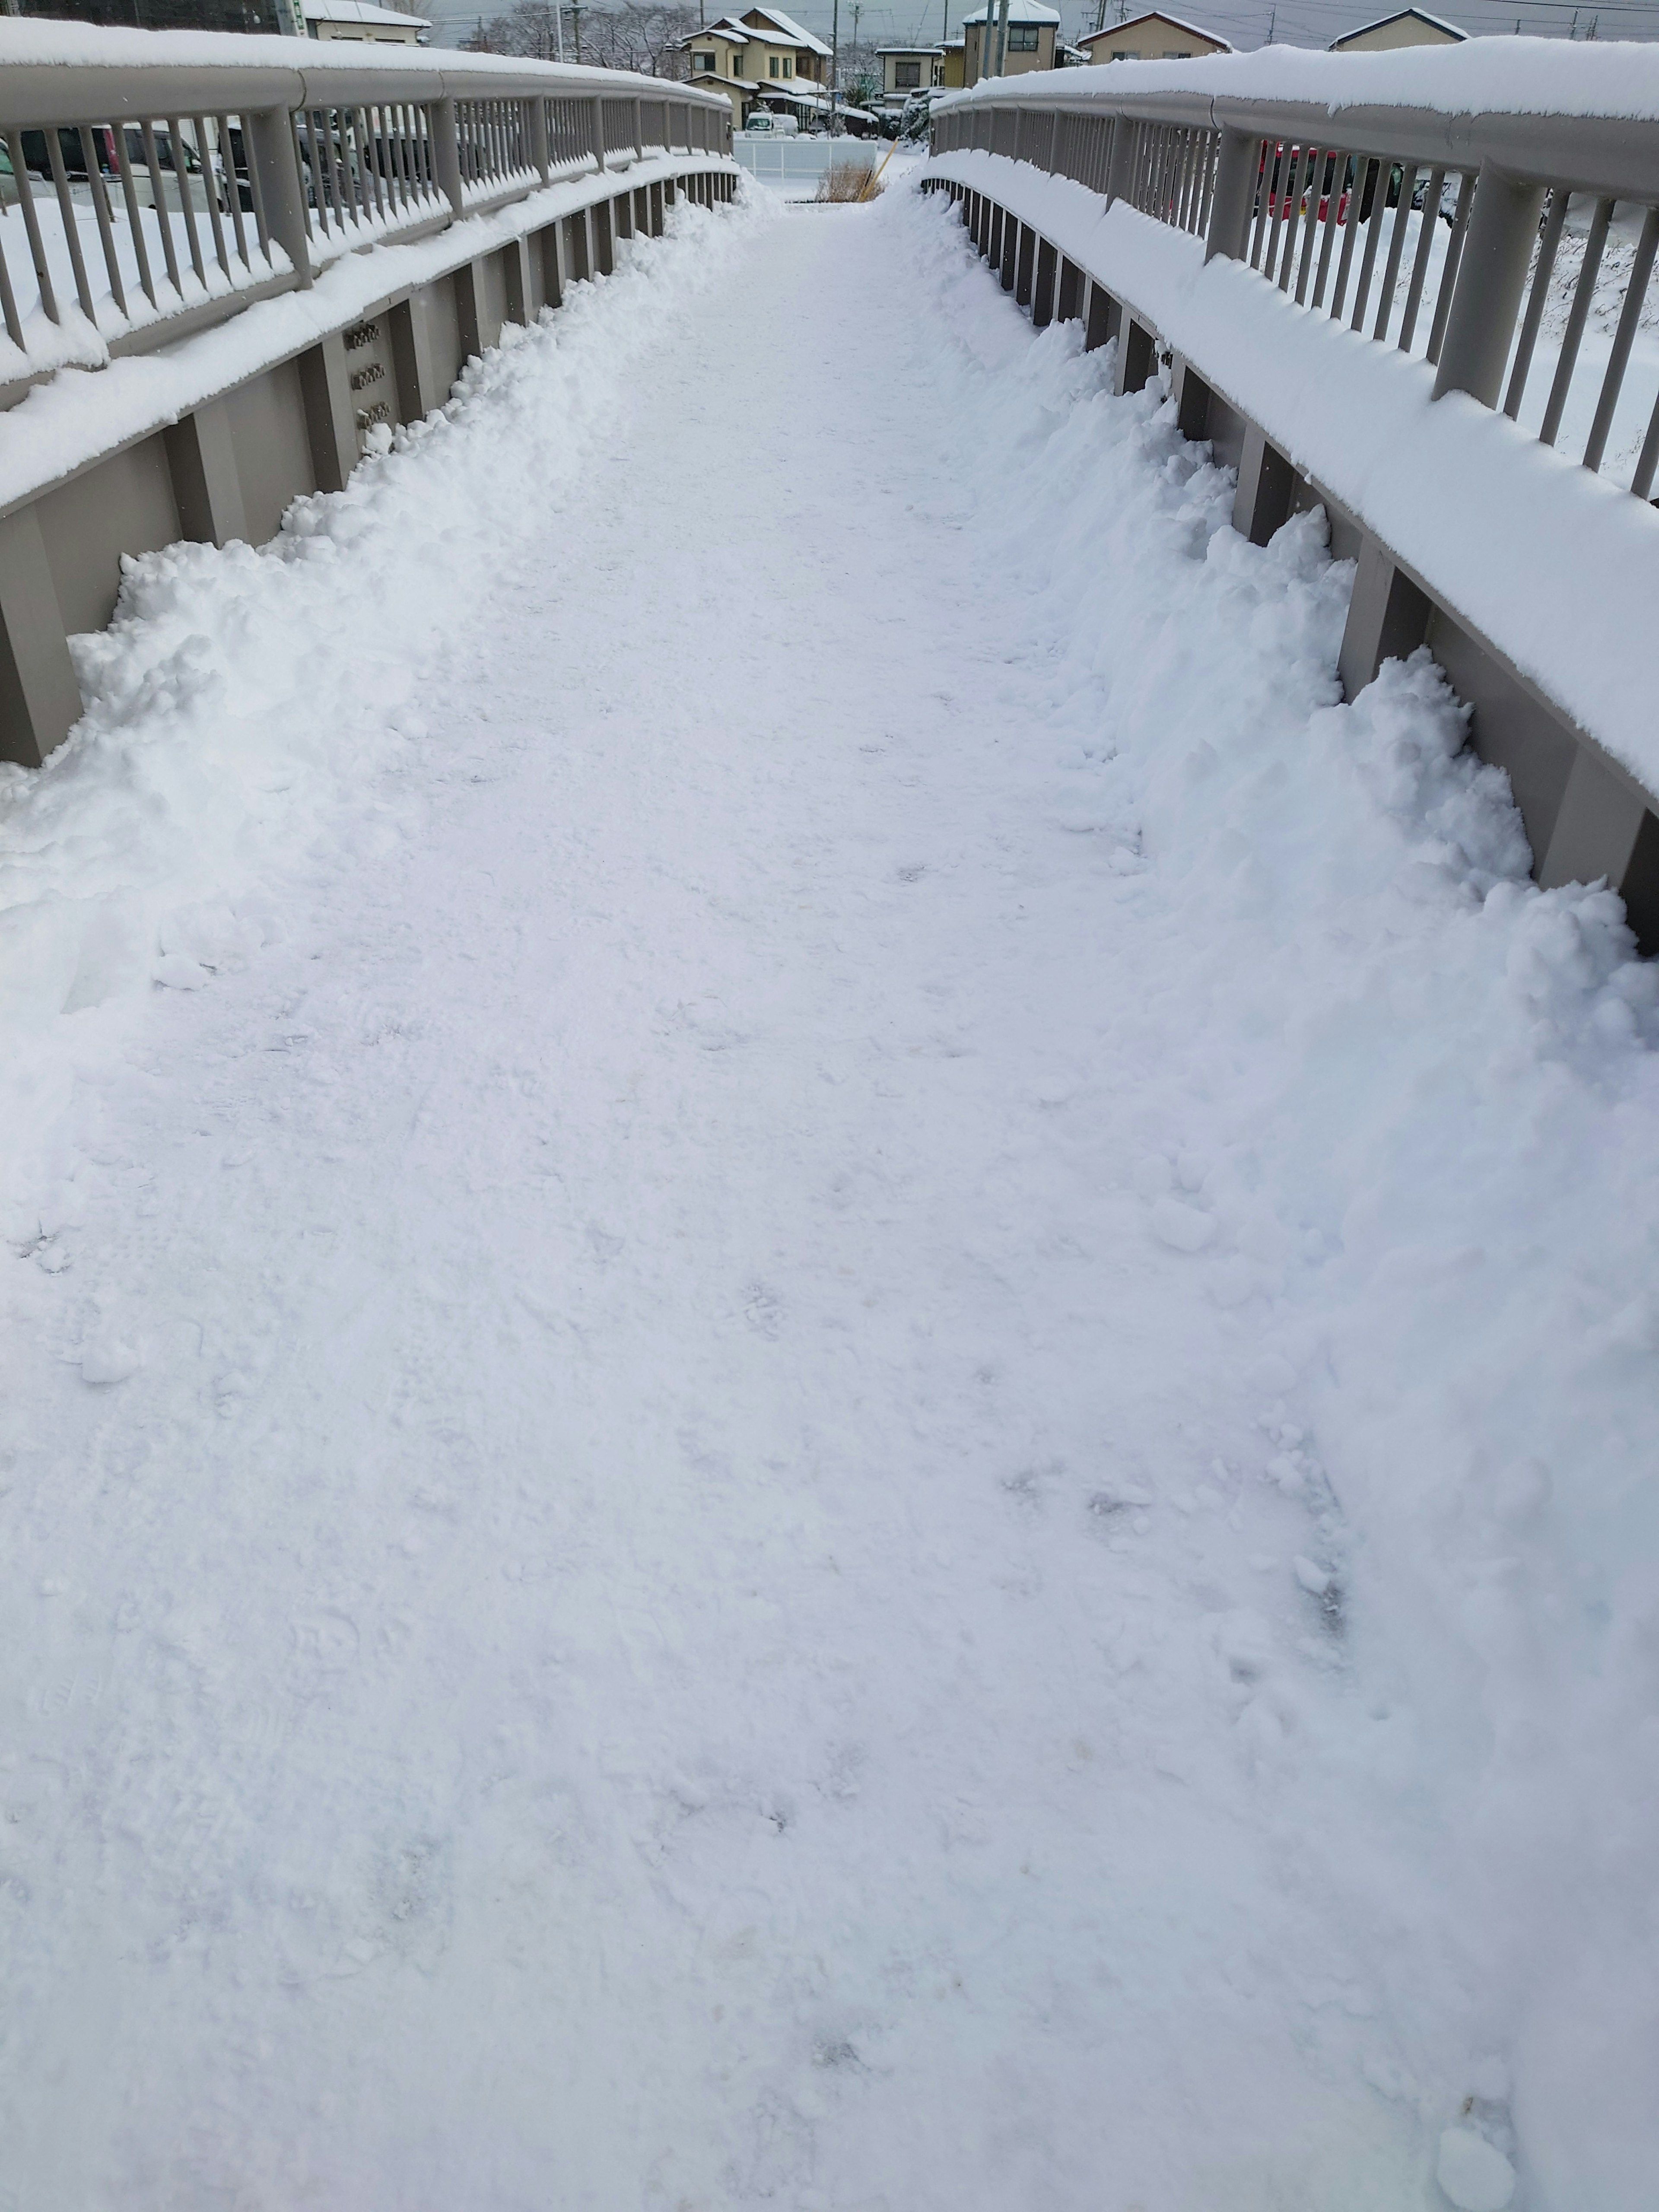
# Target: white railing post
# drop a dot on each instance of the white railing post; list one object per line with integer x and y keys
{"x": 446, "y": 152}
{"x": 277, "y": 165}
{"x": 1237, "y": 170}
{"x": 1492, "y": 275}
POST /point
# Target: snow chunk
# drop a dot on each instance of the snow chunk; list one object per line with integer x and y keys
{"x": 1183, "y": 1228}
{"x": 1475, "y": 2176}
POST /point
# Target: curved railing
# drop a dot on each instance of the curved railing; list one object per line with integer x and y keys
{"x": 159, "y": 176}
{"x": 1322, "y": 247}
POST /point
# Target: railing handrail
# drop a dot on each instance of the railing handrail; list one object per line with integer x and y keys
{"x": 53, "y": 74}
{"x": 1579, "y": 122}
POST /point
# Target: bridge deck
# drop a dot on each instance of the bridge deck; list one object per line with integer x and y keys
{"x": 716, "y": 1479}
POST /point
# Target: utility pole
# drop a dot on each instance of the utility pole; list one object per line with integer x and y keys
{"x": 835, "y": 62}
{"x": 1002, "y": 39}
{"x": 1100, "y": 17}
{"x": 558, "y": 30}
{"x": 576, "y": 26}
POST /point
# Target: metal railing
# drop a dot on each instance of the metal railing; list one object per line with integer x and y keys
{"x": 1513, "y": 255}
{"x": 144, "y": 194}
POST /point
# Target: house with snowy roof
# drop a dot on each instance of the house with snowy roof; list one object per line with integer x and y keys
{"x": 1153, "y": 37}
{"x": 362, "y": 20}
{"x": 1409, "y": 27}
{"x": 910, "y": 68}
{"x": 760, "y": 57}
{"x": 1032, "y": 31}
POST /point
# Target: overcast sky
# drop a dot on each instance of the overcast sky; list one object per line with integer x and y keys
{"x": 1245, "y": 22}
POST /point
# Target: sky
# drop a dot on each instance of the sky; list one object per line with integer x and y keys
{"x": 1245, "y": 23}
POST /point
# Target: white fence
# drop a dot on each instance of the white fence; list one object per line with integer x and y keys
{"x": 801, "y": 162}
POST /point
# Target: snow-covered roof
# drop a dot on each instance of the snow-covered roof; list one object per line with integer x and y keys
{"x": 726, "y": 29}
{"x": 793, "y": 33}
{"x": 1019, "y": 11}
{"x": 1418, "y": 15}
{"x": 911, "y": 50}
{"x": 1156, "y": 15}
{"x": 361, "y": 11}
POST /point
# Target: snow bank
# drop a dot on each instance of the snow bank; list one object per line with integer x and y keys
{"x": 1417, "y": 1101}
{"x": 1482, "y": 77}
{"x": 205, "y": 740}
{"x": 1558, "y": 568}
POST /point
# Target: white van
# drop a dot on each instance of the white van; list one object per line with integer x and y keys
{"x": 763, "y": 125}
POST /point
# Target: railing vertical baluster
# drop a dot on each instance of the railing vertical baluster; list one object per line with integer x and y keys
{"x": 32, "y": 226}
{"x": 181, "y": 182}
{"x": 71, "y": 228}
{"x": 1206, "y": 195}
{"x": 1420, "y": 263}
{"x": 1315, "y": 178}
{"x": 1379, "y": 215}
{"x": 1647, "y": 460}
{"x": 134, "y": 225}
{"x": 118, "y": 290}
{"x": 1636, "y": 294}
{"x": 1573, "y": 337}
{"x": 204, "y": 154}
{"x": 1356, "y": 194}
{"x": 1260, "y": 203}
{"x": 1339, "y": 171}
{"x": 9, "y": 303}
{"x": 1548, "y": 244}
{"x": 1402, "y": 216}
{"x": 1279, "y": 167}
{"x": 233, "y": 188}
{"x": 1449, "y": 267}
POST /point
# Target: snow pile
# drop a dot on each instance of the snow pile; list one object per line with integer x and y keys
{"x": 829, "y": 1350}
{"x": 209, "y": 752}
{"x": 1421, "y": 1105}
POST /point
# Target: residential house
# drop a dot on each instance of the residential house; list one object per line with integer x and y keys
{"x": 1153, "y": 37}
{"x": 362, "y": 20}
{"x": 761, "y": 57}
{"x": 1032, "y": 30}
{"x": 910, "y": 69}
{"x": 954, "y": 52}
{"x": 1410, "y": 27}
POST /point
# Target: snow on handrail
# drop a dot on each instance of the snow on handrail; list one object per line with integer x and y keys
{"x": 154, "y": 181}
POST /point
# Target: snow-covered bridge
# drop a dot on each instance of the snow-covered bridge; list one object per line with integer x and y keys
{"x": 829, "y": 1361}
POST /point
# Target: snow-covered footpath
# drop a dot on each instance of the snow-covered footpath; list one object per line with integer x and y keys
{"x": 830, "y": 1356}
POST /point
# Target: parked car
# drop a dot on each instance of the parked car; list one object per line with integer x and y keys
{"x": 763, "y": 124}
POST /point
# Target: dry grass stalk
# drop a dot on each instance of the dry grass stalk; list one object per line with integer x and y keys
{"x": 848, "y": 180}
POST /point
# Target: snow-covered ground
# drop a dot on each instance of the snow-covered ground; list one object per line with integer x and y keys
{"x": 829, "y": 1356}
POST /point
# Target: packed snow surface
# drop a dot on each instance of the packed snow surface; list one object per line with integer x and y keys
{"x": 830, "y": 1353}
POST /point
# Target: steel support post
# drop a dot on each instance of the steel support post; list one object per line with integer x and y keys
{"x": 39, "y": 697}
{"x": 1238, "y": 167}
{"x": 1492, "y": 275}
{"x": 1121, "y": 161}
{"x": 270, "y": 143}
{"x": 446, "y": 152}
{"x": 539, "y": 151}
{"x": 596, "y": 130}
{"x": 330, "y": 416}
{"x": 207, "y": 486}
